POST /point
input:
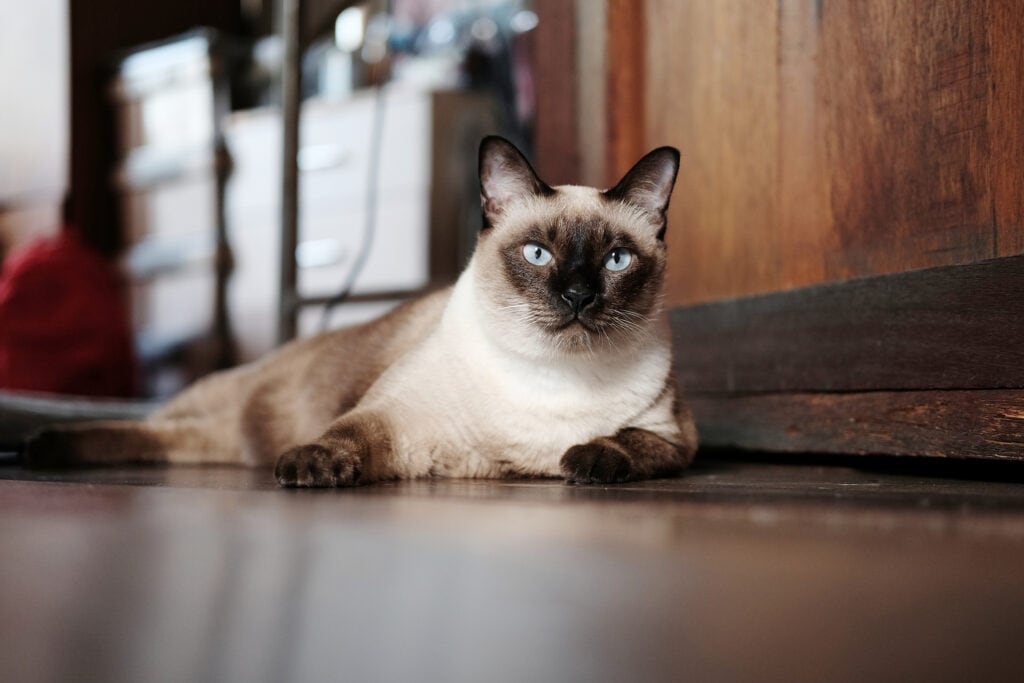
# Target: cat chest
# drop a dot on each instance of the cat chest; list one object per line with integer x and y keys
{"x": 535, "y": 427}
{"x": 461, "y": 418}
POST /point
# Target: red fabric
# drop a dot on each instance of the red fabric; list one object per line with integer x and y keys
{"x": 63, "y": 323}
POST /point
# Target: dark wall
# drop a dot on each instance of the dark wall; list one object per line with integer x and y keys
{"x": 99, "y": 29}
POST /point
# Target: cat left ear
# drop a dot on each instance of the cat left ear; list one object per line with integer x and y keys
{"x": 505, "y": 177}
{"x": 648, "y": 185}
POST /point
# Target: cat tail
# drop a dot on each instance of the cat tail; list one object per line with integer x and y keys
{"x": 188, "y": 441}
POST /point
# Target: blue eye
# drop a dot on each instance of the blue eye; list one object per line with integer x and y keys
{"x": 618, "y": 259}
{"x": 536, "y": 254}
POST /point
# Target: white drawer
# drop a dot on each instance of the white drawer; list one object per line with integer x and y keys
{"x": 184, "y": 206}
{"x": 334, "y": 152}
{"x": 398, "y": 258}
{"x": 172, "y": 118}
{"x": 173, "y": 306}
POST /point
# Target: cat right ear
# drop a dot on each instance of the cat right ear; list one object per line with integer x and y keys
{"x": 505, "y": 177}
{"x": 648, "y": 185}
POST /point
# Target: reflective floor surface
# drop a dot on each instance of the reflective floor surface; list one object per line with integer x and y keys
{"x": 740, "y": 571}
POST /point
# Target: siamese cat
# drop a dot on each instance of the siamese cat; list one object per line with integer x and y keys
{"x": 550, "y": 357}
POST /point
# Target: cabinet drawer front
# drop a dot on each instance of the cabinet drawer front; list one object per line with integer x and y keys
{"x": 174, "y": 306}
{"x": 398, "y": 258}
{"x": 180, "y": 116}
{"x": 174, "y": 208}
{"x": 335, "y": 139}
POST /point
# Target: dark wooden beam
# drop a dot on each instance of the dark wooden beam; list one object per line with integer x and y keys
{"x": 927, "y": 362}
{"x": 956, "y": 327}
{"x": 955, "y": 424}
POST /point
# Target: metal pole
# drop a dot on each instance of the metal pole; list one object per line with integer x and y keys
{"x": 291, "y": 94}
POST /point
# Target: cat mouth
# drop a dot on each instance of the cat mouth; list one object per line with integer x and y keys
{"x": 574, "y": 322}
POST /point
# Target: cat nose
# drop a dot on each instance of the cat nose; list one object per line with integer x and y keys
{"x": 578, "y": 298}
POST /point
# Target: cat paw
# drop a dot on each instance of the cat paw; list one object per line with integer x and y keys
{"x": 596, "y": 463}
{"x": 313, "y": 465}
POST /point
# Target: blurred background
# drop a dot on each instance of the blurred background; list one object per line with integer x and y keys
{"x": 141, "y": 216}
{"x": 153, "y": 228}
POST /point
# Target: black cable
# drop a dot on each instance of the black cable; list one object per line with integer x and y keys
{"x": 370, "y": 224}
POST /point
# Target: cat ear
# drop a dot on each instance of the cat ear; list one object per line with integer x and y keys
{"x": 648, "y": 185}
{"x": 505, "y": 176}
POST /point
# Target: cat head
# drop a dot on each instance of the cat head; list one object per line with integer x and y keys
{"x": 571, "y": 269}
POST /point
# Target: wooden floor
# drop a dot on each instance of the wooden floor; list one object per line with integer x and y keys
{"x": 853, "y": 571}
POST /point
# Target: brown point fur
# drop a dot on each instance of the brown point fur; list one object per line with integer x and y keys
{"x": 252, "y": 414}
{"x": 579, "y": 239}
{"x": 290, "y": 402}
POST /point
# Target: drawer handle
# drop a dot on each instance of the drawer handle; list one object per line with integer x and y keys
{"x": 163, "y": 254}
{"x": 323, "y": 157}
{"x": 319, "y": 253}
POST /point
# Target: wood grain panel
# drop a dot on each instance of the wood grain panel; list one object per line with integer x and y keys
{"x": 554, "y": 67}
{"x": 805, "y": 237}
{"x": 955, "y": 327}
{"x": 592, "y": 94}
{"x": 904, "y": 90}
{"x": 625, "y": 94}
{"x": 712, "y": 91}
{"x": 954, "y": 424}
{"x": 828, "y": 141}
{"x": 1007, "y": 112}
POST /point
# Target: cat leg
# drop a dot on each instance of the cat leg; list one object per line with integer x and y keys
{"x": 629, "y": 455}
{"x": 191, "y": 441}
{"x": 356, "y": 449}
{"x": 660, "y": 443}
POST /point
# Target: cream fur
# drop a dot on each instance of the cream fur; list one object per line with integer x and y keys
{"x": 466, "y": 382}
{"x": 477, "y": 392}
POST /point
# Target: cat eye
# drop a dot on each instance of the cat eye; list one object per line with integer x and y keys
{"x": 536, "y": 254}
{"x": 618, "y": 259}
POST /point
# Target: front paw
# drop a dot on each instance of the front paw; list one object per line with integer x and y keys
{"x": 313, "y": 465}
{"x": 596, "y": 463}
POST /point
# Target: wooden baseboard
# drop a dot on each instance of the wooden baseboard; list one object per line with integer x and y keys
{"x": 958, "y": 424}
{"x": 957, "y": 327}
{"x": 923, "y": 363}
